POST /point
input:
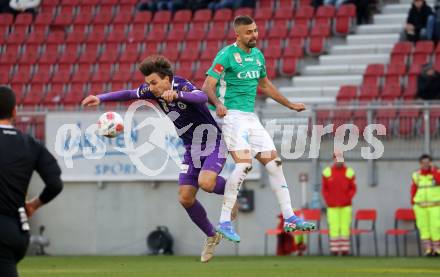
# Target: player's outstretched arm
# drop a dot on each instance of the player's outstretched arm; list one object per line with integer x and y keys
{"x": 209, "y": 88}
{"x": 271, "y": 91}
{"x": 122, "y": 95}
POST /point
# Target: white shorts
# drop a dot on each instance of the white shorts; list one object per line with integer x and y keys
{"x": 244, "y": 131}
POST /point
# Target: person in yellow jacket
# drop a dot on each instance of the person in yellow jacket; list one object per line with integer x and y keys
{"x": 338, "y": 190}
{"x": 425, "y": 197}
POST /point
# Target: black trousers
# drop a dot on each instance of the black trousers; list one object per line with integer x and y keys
{"x": 13, "y": 245}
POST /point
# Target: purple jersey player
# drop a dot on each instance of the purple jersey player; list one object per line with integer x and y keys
{"x": 186, "y": 106}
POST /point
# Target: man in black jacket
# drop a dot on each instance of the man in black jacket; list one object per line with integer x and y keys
{"x": 420, "y": 22}
{"x": 20, "y": 155}
{"x": 428, "y": 83}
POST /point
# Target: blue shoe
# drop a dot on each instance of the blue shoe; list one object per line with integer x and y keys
{"x": 226, "y": 229}
{"x": 295, "y": 223}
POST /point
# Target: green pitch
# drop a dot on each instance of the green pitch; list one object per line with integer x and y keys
{"x": 227, "y": 266}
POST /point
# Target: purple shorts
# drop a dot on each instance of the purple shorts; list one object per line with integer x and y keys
{"x": 214, "y": 161}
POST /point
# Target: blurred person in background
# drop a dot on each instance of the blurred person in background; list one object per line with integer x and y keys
{"x": 338, "y": 190}
{"x": 425, "y": 197}
{"x": 428, "y": 83}
{"x": 420, "y": 22}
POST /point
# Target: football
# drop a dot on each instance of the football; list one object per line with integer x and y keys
{"x": 110, "y": 124}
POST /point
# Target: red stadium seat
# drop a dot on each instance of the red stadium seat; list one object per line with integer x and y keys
{"x": 49, "y": 58}
{"x": 129, "y": 56}
{"x": 71, "y": 2}
{"x": 54, "y": 96}
{"x": 263, "y": 14}
{"x": 23, "y": 19}
{"x": 68, "y": 57}
{"x": 289, "y": 66}
{"x": 176, "y": 35}
{"x": 16, "y": 38}
{"x": 81, "y": 77}
{"x": 29, "y": 57}
{"x": 78, "y": 35}
{"x": 57, "y": 37}
{"x": 6, "y": 19}
{"x": 299, "y": 31}
{"x": 122, "y": 75}
{"x": 293, "y": 51}
{"x": 386, "y": 117}
{"x": 373, "y": 74}
{"x": 400, "y": 52}
{"x": 369, "y": 93}
{"x": 35, "y": 95}
{"x": 369, "y": 215}
{"x": 345, "y": 19}
{"x": 272, "y": 68}
{"x": 283, "y": 14}
{"x": 266, "y": 4}
{"x": 244, "y": 11}
{"x": 41, "y": 77}
{"x": 88, "y": 57}
{"x": 62, "y": 74}
{"x": 73, "y": 96}
{"x": 151, "y": 48}
{"x": 208, "y": 54}
{"x": 286, "y": 4}
{"x": 143, "y": 17}
{"x": 63, "y": 19}
{"x": 185, "y": 72}
{"x": 217, "y": 32}
{"x": 117, "y": 36}
{"x": 22, "y": 77}
{"x": 136, "y": 35}
{"x": 104, "y": 17}
{"x": 183, "y": 16}
{"x": 407, "y": 121}
{"x": 347, "y": 93}
{"x": 279, "y": 32}
{"x": 422, "y": 52}
{"x": 273, "y": 52}
{"x": 36, "y": 37}
{"x": 162, "y": 17}
{"x": 156, "y": 35}
{"x": 96, "y": 36}
{"x": 304, "y": 14}
{"x": 203, "y": 15}
{"x": 190, "y": 55}
{"x": 325, "y": 14}
{"x": 109, "y": 56}
{"x": 44, "y": 19}
{"x": 198, "y": 34}
{"x": 171, "y": 51}
{"x": 394, "y": 74}
{"x": 316, "y": 45}
{"x": 224, "y": 15}
{"x": 391, "y": 92}
{"x": 102, "y": 75}
{"x": 123, "y": 17}
{"x": 84, "y": 17}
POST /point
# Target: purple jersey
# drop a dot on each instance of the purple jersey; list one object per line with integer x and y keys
{"x": 189, "y": 112}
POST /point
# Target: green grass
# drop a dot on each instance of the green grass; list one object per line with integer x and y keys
{"x": 228, "y": 266}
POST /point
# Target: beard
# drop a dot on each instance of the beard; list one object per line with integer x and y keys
{"x": 251, "y": 44}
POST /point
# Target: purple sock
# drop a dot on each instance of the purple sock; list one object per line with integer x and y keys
{"x": 219, "y": 185}
{"x": 198, "y": 215}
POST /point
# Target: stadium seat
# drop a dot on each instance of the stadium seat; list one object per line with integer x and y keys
{"x": 198, "y": 34}
{"x": 82, "y": 74}
{"x": 272, "y": 68}
{"x": 203, "y": 15}
{"x": 217, "y": 31}
{"x": 183, "y": 16}
{"x": 54, "y": 96}
{"x": 143, "y": 17}
{"x": 109, "y": 56}
{"x": 184, "y": 72}
{"x": 104, "y": 17}
{"x": 298, "y": 32}
{"x": 266, "y": 4}
{"x": 369, "y": 215}
{"x": 11, "y": 56}
{"x": 129, "y": 56}
{"x": 422, "y": 52}
{"x": 97, "y": 35}
{"x": 283, "y": 14}
{"x": 162, "y": 17}
{"x": 395, "y": 74}
{"x": 57, "y": 37}
{"x": 151, "y": 48}
{"x": 6, "y": 19}
{"x": 369, "y": 93}
{"x": 278, "y": 32}
{"x": 223, "y": 15}
{"x": 49, "y": 57}
{"x": 29, "y": 57}
{"x": 373, "y": 74}
{"x": 341, "y": 117}
{"x": 78, "y": 35}
{"x": 316, "y": 44}
{"x": 23, "y": 19}
{"x": 171, "y": 51}
{"x": 304, "y": 15}
{"x": 117, "y": 35}
{"x": 102, "y": 74}
{"x": 264, "y": 13}
{"x": 408, "y": 119}
{"x": 401, "y": 216}
{"x": 36, "y": 37}
{"x": 244, "y": 11}
{"x": 346, "y": 94}
{"x": 413, "y": 73}
{"x": 124, "y": 74}
{"x": 190, "y": 55}
{"x": 314, "y": 216}
{"x": 345, "y": 19}
{"x": 88, "y": 57}
{"x": 43, "y": 18}
{"x": 73, "y": 96}
{"x": 387, "y": 118}
{"x": 391, "y": 92}
{"x": 324, "y": 15}
{"x": 176, "y": 36}
{"x": 273, "y": 52}
{"x": 289, "y": 66}
{"x": 360, "y": 119}
{"x": 136, "y": 35}
{"x": 20, "y": 91}
{"x": 16, "y": 38}
{"x": 401, "y": 52}
{"x": 62, "y": 74}
{"x": 410, "y": 92}
{"x": 156, "y": 35}
{"x": 36, "y": 93}
{"x": 123, "y": 17}
{"x": 63, "y": 19}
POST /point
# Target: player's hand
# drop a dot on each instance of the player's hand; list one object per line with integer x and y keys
{"x": 299, "y": 107}
{"x": 169, "y": 95}
{"x": 91, "y": 101}
{"x": 221, "y": 110}
{"x": 32, "y": 206}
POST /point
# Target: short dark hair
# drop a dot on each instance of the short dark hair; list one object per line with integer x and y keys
{"x": 7, "y": 102}
{"x": 156, "y": 64}
{"x": 425, "y": 156}
{"x": 242, "y": 20}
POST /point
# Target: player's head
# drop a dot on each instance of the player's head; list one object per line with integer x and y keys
{"x": 338, "y": 157}
{"x": 425, "y": 161}
{"x": 7, "y": 103}
{"x": 246, "y": 30}
{"x": 418, "y": 3}
{"x": 158, "y": 73}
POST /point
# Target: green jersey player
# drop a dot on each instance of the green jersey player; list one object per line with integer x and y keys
{"x": 231, "y": 85}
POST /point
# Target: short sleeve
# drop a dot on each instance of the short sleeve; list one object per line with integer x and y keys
{"x": 220, "y": 65}
{"x": 263, "y": 72}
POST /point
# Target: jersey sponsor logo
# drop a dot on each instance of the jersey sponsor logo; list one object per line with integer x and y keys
{"x": 185, "y": 88}
{"x": 258, "y": 62}
{"x": 248, "y": 74}
{"x": 218, "y": 68}
{"x": 248, "y": 59}
{"x": 181, "y": 105}
{"x": 143, "y": 90}
{"x": 237, "y": 58}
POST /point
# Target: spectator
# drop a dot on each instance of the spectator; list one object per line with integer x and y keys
{"x": 19, "y": 6}
{"x": 335, "y": 3}
{"x": 420, "y": 22}
{"x": 161, "y": 5}
{"x": 362, "y": 10}
{"x": 428, "y": 83}
{"x": 425, "y": 196}
{"x": 231, "y": 4}
{"x": 338, "y": 190}
{"x": 197, "y": 4}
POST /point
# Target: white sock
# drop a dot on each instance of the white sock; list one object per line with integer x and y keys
{"x": 232, "y": 188}
{"x": 279, "y": 187}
